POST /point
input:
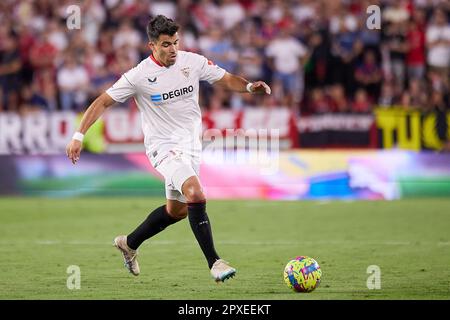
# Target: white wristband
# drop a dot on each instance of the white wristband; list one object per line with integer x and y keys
{"x": 78, "y": 136}
{"x": 248, "y": 87}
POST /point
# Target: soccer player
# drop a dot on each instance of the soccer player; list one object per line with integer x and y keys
{"x": 165, "y": 87}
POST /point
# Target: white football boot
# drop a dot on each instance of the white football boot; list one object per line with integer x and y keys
{"x": 129, "y": 255}
{"x": 221, "y": 271}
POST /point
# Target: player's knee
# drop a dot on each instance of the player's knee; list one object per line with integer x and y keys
{"x": 193, "y": 194}
{"x": 178, "y": 213}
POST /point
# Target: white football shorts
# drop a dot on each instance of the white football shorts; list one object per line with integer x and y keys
{"x": 176, "y": 167}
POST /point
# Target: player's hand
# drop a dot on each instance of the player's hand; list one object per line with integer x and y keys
{"x": 260, "y": 87}
{"x": 73, "y": 150}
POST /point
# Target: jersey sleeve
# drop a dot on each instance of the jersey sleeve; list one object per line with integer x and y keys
{"x": 209, "y": 71}
{"x": 123, "y": 88}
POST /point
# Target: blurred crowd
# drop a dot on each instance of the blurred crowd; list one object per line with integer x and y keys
{"x": 319, "y": 56}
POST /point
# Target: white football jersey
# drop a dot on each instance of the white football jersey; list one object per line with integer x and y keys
{"x": 167, "y": 98}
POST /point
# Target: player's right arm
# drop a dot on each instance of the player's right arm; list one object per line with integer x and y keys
{"x": 120, "y": 91}
{"x": 95, "y": 110}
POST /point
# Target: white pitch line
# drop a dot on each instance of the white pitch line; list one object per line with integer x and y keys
{"x": 231, "y": 242}
{"x": 323, "y": 202}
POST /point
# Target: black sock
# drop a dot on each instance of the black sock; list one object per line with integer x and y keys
{"x": 156, "y": 222}
{"x": 202, "y": 230}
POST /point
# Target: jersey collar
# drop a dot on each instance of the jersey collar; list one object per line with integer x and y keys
{"x": 156, "y": 61}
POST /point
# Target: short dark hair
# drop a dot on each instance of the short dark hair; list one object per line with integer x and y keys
{"x": 161, "y": 25}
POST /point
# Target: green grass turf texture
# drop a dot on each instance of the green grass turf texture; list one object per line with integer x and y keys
{"x": 408, "y": 239}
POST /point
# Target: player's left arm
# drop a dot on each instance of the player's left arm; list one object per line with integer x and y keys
{"x": 239, "y": 84}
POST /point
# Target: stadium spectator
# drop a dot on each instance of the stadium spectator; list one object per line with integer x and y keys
{"x": 250, "y": 59}
{"x": 439, "y": 105}
{"x": 73, "y": 81}
{"x": 438, "y": 102}
{"x": 286, "y": 57}
{"x": 415, "y": 56}
{"x": 101, "y": 80}
{"x": 94, "y": 15}
{"x": 397, "y": 48}
{"x": 77, "y": 43}
{"x": 387, "y": 97}
{"x": 362, "y": 102}
{"x": 370, "y": 38}
{"x": 436, "y": 80}
{"x": 57, "y": 35}
{"x": 93, "y": 60}
{"x": 42, "y": 57}
{"x": 26, "y": 42}
{"x": 318, "y": 102}
{"x": 417, "y": 93}
{"x": 204, "y": 14}
{"x": 368, "y": 75}
{"x": 345, "y": 48}
{"x": 338, "y": 100}
{"x": 10, "y": 68}
{"x": 221, "y": 50}
{"x": 268, "y": 30}
{"x": 438, "y": 43}
{"x": 126, "y": 36}
{"x": 166, "y": 8}
{"x": 31, "y": 100}
{"x": 397, "y": 12}
{"x": 230, "y": 13}
{"x": 319, "y": 64}
{"x": 304, "y": 11}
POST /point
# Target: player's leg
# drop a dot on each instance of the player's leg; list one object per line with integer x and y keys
{"x": 159, "y": 219}
{"x": 177, "y": 209}
{"x": 198, "y": 218}
{"x": 201, "y": 227}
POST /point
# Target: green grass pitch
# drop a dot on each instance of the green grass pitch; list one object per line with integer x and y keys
{"x": 408, "y": 239}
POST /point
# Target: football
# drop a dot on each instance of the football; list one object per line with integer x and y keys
{"x": 302, "y": 274}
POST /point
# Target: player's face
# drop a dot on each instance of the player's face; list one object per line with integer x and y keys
{"x": 165, "y": 49}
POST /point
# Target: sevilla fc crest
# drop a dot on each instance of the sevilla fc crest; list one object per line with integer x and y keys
{"x": 185, "y": 72}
